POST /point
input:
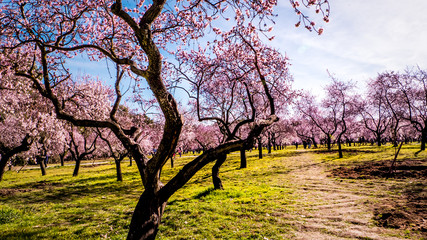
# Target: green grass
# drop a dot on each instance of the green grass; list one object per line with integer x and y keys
{"x": 95, "y": 206}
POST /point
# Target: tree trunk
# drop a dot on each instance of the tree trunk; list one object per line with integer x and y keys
{"x": 3, "y": 162}
{"x": 243, "y": 162}
{"x": 171, "y": 162}
{"x": 328, "y": 142}
{"x": 76, "y": 168}
{"x": 269, "y": 143}
{"x": 378, "y": 140}
{"x": 339, "y": 149}
{"x": 423, "y": 139}
{"x": 273, "y": 141}
{"x": 118, "y": 170}
{"x": 259, "y": 148}
{"x": 215, "y": 172}
{"x": 146, "y": 217}
{"x": 130, "y": 160}
{"x": 314, "y": 142}
{"x": 40, "y": 160}
{"x": 61, "y": 156}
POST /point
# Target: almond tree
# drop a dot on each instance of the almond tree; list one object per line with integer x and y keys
{"x": 27, "y": 123}
{"x": 305, "y": 130}
{"x": 333, "y": 113}
{"x": 341, "y": 103}
{"x": 47, "y": 33}
{"x": 412, "y": 86}
{"x": 388, "y": 83}
{"x": 325, "y": 119}
{"x": 375, "y": 114}
{"x": 225, "y": 81}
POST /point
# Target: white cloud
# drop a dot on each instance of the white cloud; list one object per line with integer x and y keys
{"x": 362, "y": 38}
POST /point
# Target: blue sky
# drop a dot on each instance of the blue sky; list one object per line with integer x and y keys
{"x": 363, "y": 38}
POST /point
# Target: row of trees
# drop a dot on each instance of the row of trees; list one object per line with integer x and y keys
{"x": 393, "y": 108}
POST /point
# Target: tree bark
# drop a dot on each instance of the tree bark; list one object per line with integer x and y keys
{"x": 119, "y": 170}
{"x": 378, "y": 140}
{"x": 3, "y": 162}
{"x": 7, "y": 153}
{"x": 243, "y": 162}
{"x": 339, "y": 149}
{"x": 259, "y": 148}
{"x": 40, "y": 160}
{"x": 424, "y": 139}
{"x": 62, "y": 159}
{"x": 328, "y": 142}
{"x": 215, "y": 172}
{"x": 146, "y": 217}
{"x": 76, "y": 168}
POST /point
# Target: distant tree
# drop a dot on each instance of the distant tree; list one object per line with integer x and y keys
{"x": 325, "y": 119}
{"x": 83, "y": 142}
{"x": 405, "y": 95}
{"x": 413, "y": 88}
{"x": 340, "y": 103}
{"x": 374, "y": 111}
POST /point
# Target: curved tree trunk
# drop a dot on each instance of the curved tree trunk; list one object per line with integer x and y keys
{"x": 146, "y": 217}
{"x": 243, "y": 162}
{"x": 215, "y": 172}
{"x": 76, "y": 168}
{"x": 339, "y": 149}
{"x": 7, "y": 153}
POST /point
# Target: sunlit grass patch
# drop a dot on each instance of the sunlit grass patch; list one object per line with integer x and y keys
{"x": 258, "y": 202}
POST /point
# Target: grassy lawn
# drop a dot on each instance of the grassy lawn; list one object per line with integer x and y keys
{"x": 263, "y": 201}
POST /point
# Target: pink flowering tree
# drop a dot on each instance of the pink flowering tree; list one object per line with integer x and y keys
{"x": 48, "y": 33}
{"x": 16, "y": 131}
{"x": 412, "y": 90}
{"x": 326, "y": 121}
{"x": 333, "y": 113}
{"x": 27, "y": 124}
{"x": 374, "y": 111}
{"x": 305, "y": 130}
{"x": 234, "y": 81}
{"x": 340, "y": 103}
{"x": 389, "y": 83}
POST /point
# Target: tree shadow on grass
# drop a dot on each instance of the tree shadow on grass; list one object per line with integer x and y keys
{"x": 18, "y": 234}
{"x": 51, "y": 192}
{"x": 344, "y": 150}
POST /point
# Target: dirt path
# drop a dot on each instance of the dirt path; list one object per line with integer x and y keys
{"x": 331, "y": 208}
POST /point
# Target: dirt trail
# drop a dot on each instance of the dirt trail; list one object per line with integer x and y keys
{"x": 331, "y": 208}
